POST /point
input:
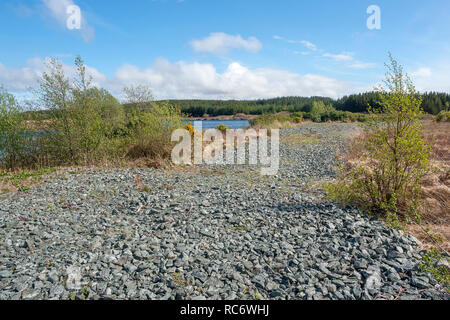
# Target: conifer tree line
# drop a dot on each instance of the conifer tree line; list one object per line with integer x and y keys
{"x": 433, "y": 103}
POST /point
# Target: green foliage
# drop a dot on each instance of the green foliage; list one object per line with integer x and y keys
{"x": 199, "y": 108}
{"x": 222, "y": 127}
{"x": 16, "y": 178}
{"x": 111, "y": 111}
{"x": 149, "y": 133}
{"x": 139, "y": 97}
{"x": 443, "y": 116}
{"x": 82, "y": 117}
{"x": 319, "y": 112}
{"x": 386, "y": 180}
{"x": 83, "y": 124}
{"x": 268, "y": 119}
{"x": 433, "y": 102}
{"x": 430, "y": 264}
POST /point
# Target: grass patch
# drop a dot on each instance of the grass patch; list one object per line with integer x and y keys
{"x": 22, "y": 180}
{"x": 281, "y": 120}
{"x": 443, "y": 116}
{"x": 300, "y": 139}
{"x": 434, "y": 232}
{"x": 179, "y": 280}
{"x": 430, "y": 263}
{"x": 240, "y": 228}
{"x": 24, "y": 175}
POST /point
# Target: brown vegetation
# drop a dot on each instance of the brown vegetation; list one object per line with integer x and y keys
{"x": 434, "y": 231}
{"x": 435, "y": 208}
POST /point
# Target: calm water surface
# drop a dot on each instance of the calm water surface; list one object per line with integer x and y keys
{"x": 211, "y": 124}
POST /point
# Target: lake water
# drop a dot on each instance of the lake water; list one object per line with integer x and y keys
{"x": 232, "y": 124}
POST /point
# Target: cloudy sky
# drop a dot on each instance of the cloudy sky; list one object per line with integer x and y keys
{"x": 240, "y": 49}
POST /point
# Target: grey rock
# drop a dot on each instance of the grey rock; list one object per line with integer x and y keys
{"x": 212, "y": 234}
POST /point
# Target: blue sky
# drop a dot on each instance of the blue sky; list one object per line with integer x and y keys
{"x": 228, "y": 49}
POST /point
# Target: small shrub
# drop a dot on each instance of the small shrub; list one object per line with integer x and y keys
{"x": 298, "y": 117}
{"x": 78, "y": 132}
{"x": 320, "y": 112}
{"x": 443, "y": 116}
{"x": 222, "y": 127}
{"x": 189, "y": 127}
{"x": 150, "y": 135}
{"x": 88, "y": 125}
{"x": 392, "y": 155}
{"x": 23, "y": 188}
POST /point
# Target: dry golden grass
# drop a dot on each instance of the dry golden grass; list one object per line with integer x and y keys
{"x": 434, "y": 232}
{"x": 276, "y": 125}
{"x": 435, "y": 209}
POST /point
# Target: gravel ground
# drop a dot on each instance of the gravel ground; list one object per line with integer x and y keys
{"x": 212, "y": 232}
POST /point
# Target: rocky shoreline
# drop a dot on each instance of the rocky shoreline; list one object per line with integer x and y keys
{"x": 210, "y": 232}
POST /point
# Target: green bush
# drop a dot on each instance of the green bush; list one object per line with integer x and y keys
{"x": 298, "y": 116}
{"x": 443, "y": 116}
{"x": 222, "y": 127}
{"x": 149, "y": 133}
{"x": 386, "y": 180}
{"x": 111, "y": 111}
{"x": 321, "y": 112}
{"x": 266, "y": 120}
{"x": 430, "y": 263}
{"x": 83, "y": 124}
{"x": 78, "y": 128}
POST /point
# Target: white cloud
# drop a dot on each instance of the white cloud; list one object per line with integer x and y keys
{"x": 196, "y": 80}
{"x": 351, "y": 62}
{"x": 342, "y": 57}
{"x": 28, "y": 76}
{"x": 303, "y": 53}
{"x": 220, "y": 43}
{"x": 436, "y": 78}
{"x": 339, "y": 57}
{"x": 21, "y": 78}
{"x": 308, "y": 44}
{"x": 58, "y": 10}
{"x": 192, "y": 80}
{"x": 422, "y": 73}
{"x": 362, "y": 65}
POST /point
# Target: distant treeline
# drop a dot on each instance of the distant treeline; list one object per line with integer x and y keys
{"x": 198, "y": 108}
{"x": 433, "y": 103}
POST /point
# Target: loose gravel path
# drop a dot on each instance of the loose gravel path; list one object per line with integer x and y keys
{"x": 205, "y": 233}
